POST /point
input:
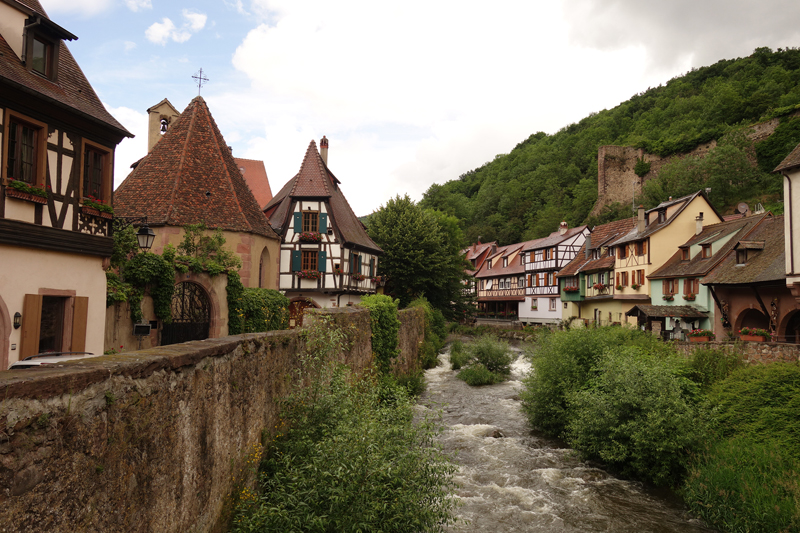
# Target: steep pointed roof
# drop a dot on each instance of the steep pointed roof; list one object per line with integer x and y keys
{"x": 189, "y": 177}
{"x": 255, "y": 174}
{"x": 315, "y": 181}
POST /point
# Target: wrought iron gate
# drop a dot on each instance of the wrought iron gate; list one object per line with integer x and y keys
{"x": 191, "y": 315}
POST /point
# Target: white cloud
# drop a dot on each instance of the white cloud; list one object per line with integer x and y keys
{"x": 237, "y": 5}
{"x": 129, "y": 45}
{"x": 136, "y": 5}
{"x": 129, "y": 150}
{"x": 161, "y": 32}
{"x": 86, "y": 8}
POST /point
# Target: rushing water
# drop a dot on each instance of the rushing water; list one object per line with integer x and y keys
{"x": 514, "y": 480}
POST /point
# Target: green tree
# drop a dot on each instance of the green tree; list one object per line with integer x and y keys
{"x": 421, "y": 254}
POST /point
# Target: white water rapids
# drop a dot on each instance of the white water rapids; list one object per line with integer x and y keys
{"x": 516, "y": 480}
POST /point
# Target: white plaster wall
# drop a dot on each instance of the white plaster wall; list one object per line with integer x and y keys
{"x": 26, "y": 270}
{"x": 543, "y": 313}
{"x": 20, "y": 210}
{"x": 791, "y": 222}
{"x": 12, "y": 26}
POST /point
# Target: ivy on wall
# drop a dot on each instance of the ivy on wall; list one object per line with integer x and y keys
{"x": 385, "y": 329}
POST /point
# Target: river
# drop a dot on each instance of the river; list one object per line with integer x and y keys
{"x": 512, "y": 479}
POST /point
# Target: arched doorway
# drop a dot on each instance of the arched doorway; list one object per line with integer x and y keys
{"x": 297, "y": 309}
{"x": 792, "y": 331}
{"x": 266, "y": 273}
{"x": 751, "y": 318}
{"x": 191, "y": 315}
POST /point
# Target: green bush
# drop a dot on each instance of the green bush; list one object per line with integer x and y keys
{"x": 639, "y": 415}
{"x": 385, "y": 329}
{"x": 262, "y": 310}
{"x": 709, "y": 366}
{"x": 413, "y": 383}
{"x": 491, "y": 353}
{"x": 477, "y": 375}
{"x": 435, "y": 333}
{"x": 353, "y": 460}
{"x": 742, "y": 485}
{"x": 761, "y": 403}
{"x": 562, "y": 363}
{"x": 458, "y": 355}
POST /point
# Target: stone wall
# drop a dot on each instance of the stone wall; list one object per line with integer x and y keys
{"x": 156, "y": 440}
{"x": 753, "y": 352}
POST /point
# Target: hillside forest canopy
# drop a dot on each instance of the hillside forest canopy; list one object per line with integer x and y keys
{"x": 524, "y": 194}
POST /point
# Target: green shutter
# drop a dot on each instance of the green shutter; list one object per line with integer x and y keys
{"x": 298, "y": 223}
{"x": 322, "y": 260}
{"x": 372, "y": 267}
{"x": 297, "y": 260}
{"x": 360, "y": 261}
{"x": 352, "y": 266}
{"x": 323, "y": 222}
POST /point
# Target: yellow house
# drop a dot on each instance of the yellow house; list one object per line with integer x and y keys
{"x": 655, "y": 239}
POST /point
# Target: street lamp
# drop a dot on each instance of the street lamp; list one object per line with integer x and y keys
{"x": 145, "y": 236}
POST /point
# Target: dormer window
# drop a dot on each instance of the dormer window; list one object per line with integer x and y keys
{"x": 662, "y": 216}
{"x": 741, "y": 257}
{"x": 42, "y": 57}
{"x": 505, "y": 262}
{"x": 684, "y": 254}
{"x": 706, "y": 251}
{"x": 41, "y": 45}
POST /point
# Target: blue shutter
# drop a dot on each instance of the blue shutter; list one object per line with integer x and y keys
{"x": 322, "y": 260}
{"x": 323, "y": 222}
{"x": 298, "y": 223}
{"x": 297, "y": 260}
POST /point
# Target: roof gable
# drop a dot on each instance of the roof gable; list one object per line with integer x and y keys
{"x": 255, "y": 174}
{"x": 189, "y": 177}
{"x": 790, "y": 161}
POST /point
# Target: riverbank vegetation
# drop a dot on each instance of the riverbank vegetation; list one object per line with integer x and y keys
{"x": 348, "y": 455}
{"x": 724, "y": 433}
{"x": 485, "y": 361}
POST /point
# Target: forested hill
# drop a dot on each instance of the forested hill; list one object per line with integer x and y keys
{"x": 548, "y": 178}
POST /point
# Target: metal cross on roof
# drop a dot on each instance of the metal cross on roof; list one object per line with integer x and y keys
{"x": 200, "y": 80}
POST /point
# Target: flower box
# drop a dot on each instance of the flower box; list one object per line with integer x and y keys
{"x": 28, "y": 197}
{"x": 310, "y": 236}
{"x": 635, "y": 286}
{"x": 754, "y": 334}
{"x": 93, "y": 212}
{"x": 309, "y": 274}
{"x": 689, "y": 297}
{"x": 571, "y": 288}
{"x": 668, "y": 297}
{"x": 753, "y": 338}
{"x": 359, "y": 277}
{"x": 620, "y": 288}
{"x": 699, "y": 339}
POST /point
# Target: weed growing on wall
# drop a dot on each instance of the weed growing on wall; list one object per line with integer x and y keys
{"x": 352, "y": 458}
{"x": 435, "y": 333}
{"x": 385, "y": 329}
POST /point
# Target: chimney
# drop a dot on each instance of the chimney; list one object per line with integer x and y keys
{"x": 563, "y": 227}
{"x": 641, "y": 225}
{"x": 699, "y": 228}
{"x": 588, "y": 246}
{"x": 323, "y": 149}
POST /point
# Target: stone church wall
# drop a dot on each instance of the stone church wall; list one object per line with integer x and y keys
{"x": 156, "y": 440}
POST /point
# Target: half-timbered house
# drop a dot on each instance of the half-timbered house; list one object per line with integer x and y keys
{"x": 56, "y": 161}
{"x": 543, "y": 258}
{"x": 592, "y": 268}
{"x": 327, "y": 258}
{"x": 500, "y": 283}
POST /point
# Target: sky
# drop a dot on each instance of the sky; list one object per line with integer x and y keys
{"x": 408, "y": 93}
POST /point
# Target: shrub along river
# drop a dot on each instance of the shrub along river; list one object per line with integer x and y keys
{"x": 512, "y": 479}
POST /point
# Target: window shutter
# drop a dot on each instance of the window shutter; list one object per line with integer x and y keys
{"x": 618, "y": 283}
{"x": 360, "y": 262}
{"x": 322, "y": 261}
{"x": 297, "y": 260}
{"x": 31, "y": 322}
{"x": 298, "y": 223}
{"x": 372, "y": 267}
{"x": 323, "y": 222}
{"x": 80, "y": 313}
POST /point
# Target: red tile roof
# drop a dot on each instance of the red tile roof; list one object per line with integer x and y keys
{"x": 600, "y": 236}
{"x": 72, "y": 91}
{"x": 315, "y": 181}
{"x": 256, "y": 177}
{"x": 189, "y": 177}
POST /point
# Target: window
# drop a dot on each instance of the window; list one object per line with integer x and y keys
{"x": 541, "y": 279}
{"x": 641, "y": 248}
{"x": 310, "y": 221}
{"x": 42, "y": 57}
{"x": 96, "y": 178}
{"x": 623, "y": 251}
{"x": 640, "y": 277}
{"x": 662, "y": 215}
{"x": 668, "y": 286}
{"x": 310, "y": 260}
{"x": 691, "y": 286}
{"x": 534, "y": 304}
{"x": 489, "y": 265}
{"x": 553, "y": 304}
{"x": 551, "y": 278}
{"x": 505, "y": 262}
{"x": 741, "y": 257}
{"x": 355, "y": 263}
{"x": 539, "y": 255}
{"x": 521, "y": 282}
{"x": 684, "y": 254}
{"x": 706, "y": 251}
{"x": 53, "y": 323}
{"x": 25, "y": 149}
{"x": 622, "y": 279}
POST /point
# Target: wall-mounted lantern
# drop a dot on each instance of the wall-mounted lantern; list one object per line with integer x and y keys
{"x": 17, "y": 320}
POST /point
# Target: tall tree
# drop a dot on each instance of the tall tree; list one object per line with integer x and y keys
{"x": 421, "y": 254}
